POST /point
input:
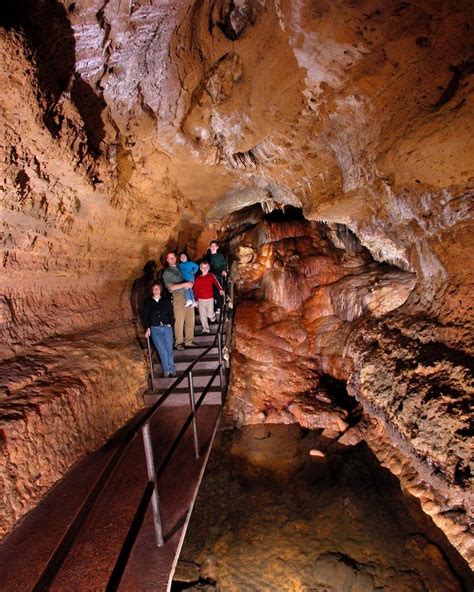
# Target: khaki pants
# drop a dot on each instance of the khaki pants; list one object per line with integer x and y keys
{"x": 183, "y": 320}
{"x": 206, "y": 312}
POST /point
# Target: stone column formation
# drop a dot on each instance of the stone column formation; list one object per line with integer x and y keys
{"x": 128, "y": 127}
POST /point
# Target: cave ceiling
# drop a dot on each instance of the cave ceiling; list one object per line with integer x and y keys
{"x": 131, "y": 126}
{"x": 337, "y": 107}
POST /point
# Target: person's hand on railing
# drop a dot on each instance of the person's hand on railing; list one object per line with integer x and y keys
{"x": 147, "y": 333}
{"x": 221, "y": 292}
{"x": 224, "y": 274}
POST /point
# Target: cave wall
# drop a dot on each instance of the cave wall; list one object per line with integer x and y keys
{"x": 71, "y": 369}
{"x": 128, "y": 126}
{"x": 315, "y": 313}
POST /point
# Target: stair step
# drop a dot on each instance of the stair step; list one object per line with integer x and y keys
{"x": 207, "y": 362}
{"x": 180, "y": 397}
{"x": 200, "y": 378}
{"x": 204, "y": 339}
{"x": 191, "y": 353}
{"x": 184, "y": 390}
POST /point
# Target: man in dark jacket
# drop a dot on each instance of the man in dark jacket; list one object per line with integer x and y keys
{"x": 141, "y": 289}
{"x": 157, "y": 321}
{"x": 218, "y": 267}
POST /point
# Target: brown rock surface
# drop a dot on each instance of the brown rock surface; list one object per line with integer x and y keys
{"x": 298, "y": 321}
{"x": 272, "y": 516}
{"x": 126, "y": 126}
{"x": 420, "y": 392}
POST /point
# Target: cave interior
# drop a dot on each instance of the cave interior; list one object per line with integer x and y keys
{"x": 327, "y": 146}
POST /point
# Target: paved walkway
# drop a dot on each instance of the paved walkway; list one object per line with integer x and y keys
{"x": 89, "y": 564}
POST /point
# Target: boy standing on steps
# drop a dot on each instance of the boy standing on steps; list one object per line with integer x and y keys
{"x": 203, "y": 291}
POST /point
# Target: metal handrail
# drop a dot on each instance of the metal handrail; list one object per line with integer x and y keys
{"x": 149, "y": 414}
{"x": 63, "y": 547}
{"x": 152, "y": 484}
{"x": 150, "y": 488}
{"x": 192, "y": 418}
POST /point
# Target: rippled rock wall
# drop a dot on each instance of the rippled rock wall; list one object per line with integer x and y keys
{"x": 128, "y": 126}
{"x": 71, "y": 370}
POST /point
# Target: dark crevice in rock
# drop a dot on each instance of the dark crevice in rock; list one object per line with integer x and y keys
{"x": 459, "y": 72}
{"x": 233, "y": 18}
{"x": 90, "y": 107}
{"x": 286, "y": 214}
{"x": 337, "y": 390}
{"x": 50, "y": 37}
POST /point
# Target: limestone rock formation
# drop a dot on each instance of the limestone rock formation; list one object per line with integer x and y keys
{"x": 128, "y": 127}
{"x": 312, "y": 310}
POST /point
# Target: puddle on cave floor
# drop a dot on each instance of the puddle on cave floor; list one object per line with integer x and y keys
{"x": 270, "y": 517}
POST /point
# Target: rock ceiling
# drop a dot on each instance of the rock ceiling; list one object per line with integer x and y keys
{"x": 130, "y": 125}
{"x": 354, "y": 110}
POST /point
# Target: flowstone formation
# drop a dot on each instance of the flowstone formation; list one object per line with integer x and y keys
{"x": 302, "y": 298}
{"x": 127, "y": 127}
{"x": 314, "y": 306}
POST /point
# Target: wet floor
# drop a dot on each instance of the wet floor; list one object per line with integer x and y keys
{"x": 270, "y": 516}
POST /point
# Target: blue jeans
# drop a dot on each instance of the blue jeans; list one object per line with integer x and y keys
{"x": 163, "y": 340}
{"x": 189, "y": 294}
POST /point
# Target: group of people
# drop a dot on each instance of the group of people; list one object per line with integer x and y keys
{"x": 190, "y": 285}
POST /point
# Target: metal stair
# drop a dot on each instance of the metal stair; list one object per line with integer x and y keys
{"x": 202, "y": 372}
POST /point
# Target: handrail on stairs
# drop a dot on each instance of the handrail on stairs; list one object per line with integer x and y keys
{"x": 63, "y": 547}
{"x": 151, "y": 490}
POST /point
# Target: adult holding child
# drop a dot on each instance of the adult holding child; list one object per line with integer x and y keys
{"x": 183, "y": 315}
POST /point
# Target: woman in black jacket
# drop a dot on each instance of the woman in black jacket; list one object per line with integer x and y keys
{"x": 158, "y": 321}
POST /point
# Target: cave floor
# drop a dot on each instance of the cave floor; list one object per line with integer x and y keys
{"x": 275, "y": 518}
{"x": 89, "y": 564}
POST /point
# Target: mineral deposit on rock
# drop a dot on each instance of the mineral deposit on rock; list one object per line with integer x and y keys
{"x": 132, "y": 127}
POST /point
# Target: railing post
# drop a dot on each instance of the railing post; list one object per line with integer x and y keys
{"x": 231, "y": 294}
{"x": 150, "y": 360}
{"x": 155, "y": 500}
{"x": 221, "y": 369}
{"x": 193, "y": 409}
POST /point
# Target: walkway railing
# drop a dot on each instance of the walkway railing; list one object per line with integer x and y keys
{"x": 151, "y": 490}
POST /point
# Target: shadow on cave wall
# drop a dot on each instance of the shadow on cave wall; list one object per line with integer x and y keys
{"x": 51, "y": 43}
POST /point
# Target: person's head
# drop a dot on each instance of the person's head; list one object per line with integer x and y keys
{"x": 171, "y": 258}
{"x": 213, "y": 247}
{"x": 183, "y": 257}
{"x": 149, "y": 267}
{"x": 204, "y": 267}
{"x": 156, "y": 290}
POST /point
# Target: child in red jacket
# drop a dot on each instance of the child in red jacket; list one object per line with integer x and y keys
{"x": 203, "y": 292}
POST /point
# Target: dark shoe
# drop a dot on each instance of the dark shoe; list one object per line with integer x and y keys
{"x": 192, "y": 344}
{"x": 172, "y": 374}
{"x": 180, "y": 347}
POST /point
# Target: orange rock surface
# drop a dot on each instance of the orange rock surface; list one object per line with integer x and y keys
{"x": 131, "y": 127}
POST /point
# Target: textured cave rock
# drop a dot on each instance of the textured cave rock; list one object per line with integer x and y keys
{"x": 127, "y": 127}
{"x": 314, "y": 306}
